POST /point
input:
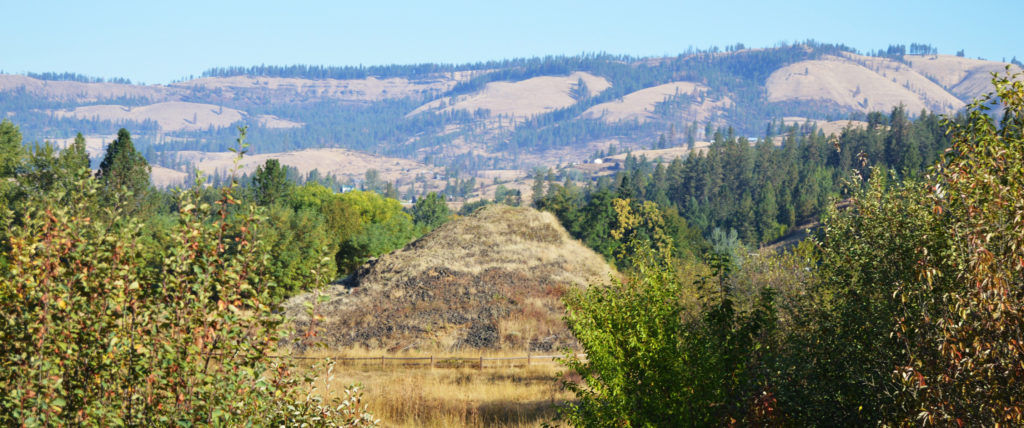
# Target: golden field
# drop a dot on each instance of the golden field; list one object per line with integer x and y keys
{"x": 454, "y": 393}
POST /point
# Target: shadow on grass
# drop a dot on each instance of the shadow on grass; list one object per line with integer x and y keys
{"x": 534, "y": 413}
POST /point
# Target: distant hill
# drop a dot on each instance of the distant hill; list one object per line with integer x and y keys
{"x": 490, "y": 280}
{"x": 509, "y": 114}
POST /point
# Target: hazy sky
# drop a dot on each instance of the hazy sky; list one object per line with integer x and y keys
{"x": 157, "y": 42}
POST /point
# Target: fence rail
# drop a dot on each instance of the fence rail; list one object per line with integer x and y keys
{"x": 479, "y": 362}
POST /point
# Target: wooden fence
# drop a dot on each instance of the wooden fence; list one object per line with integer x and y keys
{"x": 435, "y": 361}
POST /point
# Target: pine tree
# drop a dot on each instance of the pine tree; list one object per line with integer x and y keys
{"x": 124, "y": 173}
{"x": 538, "y": 189}
{"x": 270, "y": 182}
{"x": 75, "y": 158}
{"x": 11, "y": 150}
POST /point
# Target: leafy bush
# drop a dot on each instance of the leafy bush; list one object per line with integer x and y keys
{"x": 967, "y": 366}
{"x": 918, "y": 303}
{"x": 650, "y": 360}
{"x": 93, "y": 336}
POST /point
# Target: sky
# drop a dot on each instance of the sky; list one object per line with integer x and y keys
{"x": 160, "y": 42}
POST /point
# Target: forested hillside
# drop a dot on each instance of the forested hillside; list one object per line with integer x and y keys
{"x": 756, "y": 193}
{"x": 506, "y": 114}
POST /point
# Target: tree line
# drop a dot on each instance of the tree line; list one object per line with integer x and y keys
{"x": 762, "y": 191}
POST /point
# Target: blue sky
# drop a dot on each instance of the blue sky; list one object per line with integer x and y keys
{"x": 157, "y": 42}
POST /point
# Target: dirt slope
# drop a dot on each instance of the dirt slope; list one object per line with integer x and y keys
{"x": 490, "y": 280}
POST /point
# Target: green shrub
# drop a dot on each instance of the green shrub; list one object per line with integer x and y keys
{"x": 92, "y": 336}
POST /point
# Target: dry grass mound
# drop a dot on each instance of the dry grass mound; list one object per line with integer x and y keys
{"x": 493, "y": 280}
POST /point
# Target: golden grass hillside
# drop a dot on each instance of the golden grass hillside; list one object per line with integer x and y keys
{"x": 492, "y": 280}
{"x": 640, "y": 105}
{"x": 521, "y": 99}
{"x": 175, "y": 115}
{"x": 860, "y": 83}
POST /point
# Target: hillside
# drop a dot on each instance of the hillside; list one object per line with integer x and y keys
{"x": 175, "y": 116}
{"x": 513, "y": 114}
{"x": 965, "y": 77}
{"x": 368, "y": 89}
{"x": 860, "y": 84}
{"x": 489, "y": 280}
{"x": 343, "y": 164}
{"x": 640, "y": 105}
{"x": 522, "y": 99}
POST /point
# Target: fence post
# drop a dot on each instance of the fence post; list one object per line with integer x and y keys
{"x": 527, "y": 359}
{"x": 481, "y": 362}
{"x": 382, "y": 362}
{"x": 431, "y": 362}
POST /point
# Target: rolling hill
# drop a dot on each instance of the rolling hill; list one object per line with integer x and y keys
{"x": 501, "y": 115}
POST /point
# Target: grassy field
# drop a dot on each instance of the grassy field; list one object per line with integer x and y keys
{"x": 453, "y": 393}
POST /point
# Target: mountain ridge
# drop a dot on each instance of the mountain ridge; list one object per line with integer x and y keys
{"x": 511, "y": 114}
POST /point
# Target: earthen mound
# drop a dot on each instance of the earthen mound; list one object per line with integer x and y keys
{"x": 492, "y": 280}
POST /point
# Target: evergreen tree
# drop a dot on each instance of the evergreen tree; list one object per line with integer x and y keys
{"x": 270, "y": 183}
{"x": 75, "y": 158}
{"x": 430, "y": 211}
{"x": 11, "y": 150}
{"x": 124, "y": 173}
{"x": 538, "y": 189}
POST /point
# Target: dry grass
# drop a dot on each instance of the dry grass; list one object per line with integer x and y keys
{"x": 834, "y": 127}
{"x": 451, "y": 395}
{"x": 493, "y": 280}
{"x": 522, "y": 99}
{"x": 666, "y": 155}
{"x": 639, "y": 105}
{"x": 83, "y": 92}
{"x": 171, "y": 116}
{"x": 368, "y": 89}
{"x": 860, "y": 83}
{"x": 965, "y": 77}
{"x": 342, "y": 163}
{"x": 166, "y": 177}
